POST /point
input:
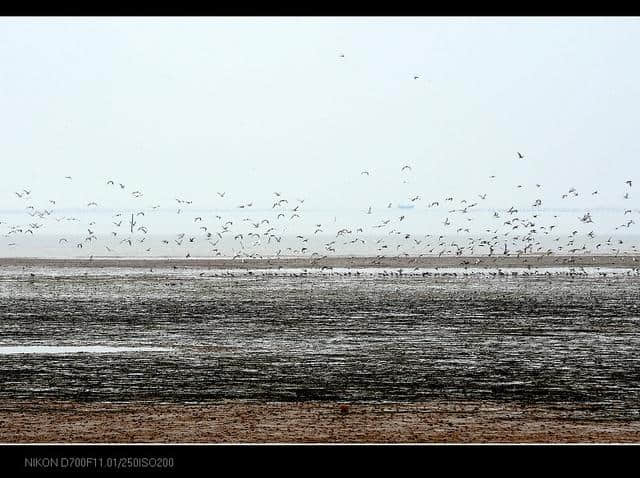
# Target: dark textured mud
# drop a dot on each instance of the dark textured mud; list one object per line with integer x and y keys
{"x": 538, "y": 339}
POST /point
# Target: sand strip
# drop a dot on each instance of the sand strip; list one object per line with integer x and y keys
{"x": 627, "y": 261}
{"x": 238, "y": 422}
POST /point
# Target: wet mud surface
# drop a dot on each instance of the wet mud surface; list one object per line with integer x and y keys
{"x": 539, "y": 340}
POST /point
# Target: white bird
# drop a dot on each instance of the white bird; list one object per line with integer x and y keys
{"x": 586, "y": 218}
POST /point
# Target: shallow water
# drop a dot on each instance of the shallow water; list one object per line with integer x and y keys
{"x": 561, "y": 338}
{"x": 56, "y": 349}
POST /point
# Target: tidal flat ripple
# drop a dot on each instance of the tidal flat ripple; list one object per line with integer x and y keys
{"x": 359, "y": 338}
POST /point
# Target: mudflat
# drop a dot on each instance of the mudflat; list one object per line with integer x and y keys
{"x": 186, "y": 356}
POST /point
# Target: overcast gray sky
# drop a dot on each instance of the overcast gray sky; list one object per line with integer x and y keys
{"x": 182, "y": 108}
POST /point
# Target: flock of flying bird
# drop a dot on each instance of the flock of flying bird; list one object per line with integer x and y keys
{"x": 511, "y": 232}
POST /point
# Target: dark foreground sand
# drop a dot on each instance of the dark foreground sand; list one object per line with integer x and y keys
{"x": 237, "y": 422}
{"x": 626, "y": 260}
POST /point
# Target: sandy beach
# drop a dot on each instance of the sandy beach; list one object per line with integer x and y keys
{"x": 297, "y": 422}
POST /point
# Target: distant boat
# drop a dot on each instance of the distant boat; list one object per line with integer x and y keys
{"x": 406, "y": 206}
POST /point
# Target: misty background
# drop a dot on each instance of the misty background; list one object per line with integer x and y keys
{"x": 184, "y": 108}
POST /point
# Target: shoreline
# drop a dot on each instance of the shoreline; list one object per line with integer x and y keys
{"x": 306, "y": 422}
{"x": 494, "y": 262}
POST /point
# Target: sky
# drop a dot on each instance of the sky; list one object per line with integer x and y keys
{"x": 182, "y": 108}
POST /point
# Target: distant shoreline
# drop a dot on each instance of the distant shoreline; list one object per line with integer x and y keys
{"x": 533, "y": 261}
